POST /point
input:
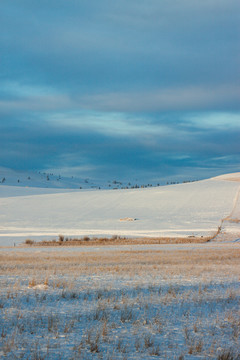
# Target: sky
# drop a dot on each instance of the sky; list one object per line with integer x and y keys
{"x": 145, "y": 89}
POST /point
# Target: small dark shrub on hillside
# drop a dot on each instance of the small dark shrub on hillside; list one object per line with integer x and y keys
{"x": 29, "y": 242}
{"x": 61, "y": 238}
{"x": 86, "y": 238}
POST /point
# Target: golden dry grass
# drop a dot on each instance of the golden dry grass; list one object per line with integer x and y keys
{"x": 121, "y": 241}
{"x": 91, "y": 298}
{"x": 201, "y": 262}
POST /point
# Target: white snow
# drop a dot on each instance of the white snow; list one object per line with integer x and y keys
{"x": 175, "y": 210}
{"x": 61, "y": 303}
{"x": 43, "y": 180}
{"x": 177, "y": 301}
{"x": 52, "y": 181}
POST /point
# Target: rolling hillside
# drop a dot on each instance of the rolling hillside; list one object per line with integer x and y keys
{"x": 192, "y": 209}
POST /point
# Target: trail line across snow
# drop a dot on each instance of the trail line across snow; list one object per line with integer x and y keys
{"x": 230, "y": 225}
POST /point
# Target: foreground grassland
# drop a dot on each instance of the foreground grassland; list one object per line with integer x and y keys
{"x": 120, "y": 302}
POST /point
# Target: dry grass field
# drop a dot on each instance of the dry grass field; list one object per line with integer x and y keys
{"x": 121, "y": 302}
{"x": 119, "y": 240}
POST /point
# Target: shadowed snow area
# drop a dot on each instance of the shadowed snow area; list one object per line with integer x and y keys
{"x": 176, "y": 210}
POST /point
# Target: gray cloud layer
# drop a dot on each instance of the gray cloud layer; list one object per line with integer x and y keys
{"x": 150, "y": 87}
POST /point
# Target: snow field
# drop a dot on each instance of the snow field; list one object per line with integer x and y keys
{"x": 176, "y": 210}
{"x": 120, "y": 304}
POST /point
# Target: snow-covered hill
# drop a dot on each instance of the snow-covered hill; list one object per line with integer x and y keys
{"x": 52, "y": 181}
{"x": 177, "y": 210}
{"x": 45, "y": 180}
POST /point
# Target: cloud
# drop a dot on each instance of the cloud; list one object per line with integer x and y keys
{"x": 216, "y": 120}
{"x": 86, "y": 46}
{"x": 109, "y": 142}
{"x": 32, "y": 98}
{"x": 178, "y": 98}
{"x": 125, "y": 87}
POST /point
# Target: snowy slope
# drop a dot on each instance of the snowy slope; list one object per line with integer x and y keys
{"x": 52, "y": 181}
{"x": 176, "y": 210}
{"x": 38, "y": 179}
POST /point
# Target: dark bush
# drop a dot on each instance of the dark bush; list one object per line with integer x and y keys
{"x": 29, "y": 242}
{"x": 60, "y": 238}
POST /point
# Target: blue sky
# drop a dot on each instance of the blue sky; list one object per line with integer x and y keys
{"x": 132, "y": 88}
